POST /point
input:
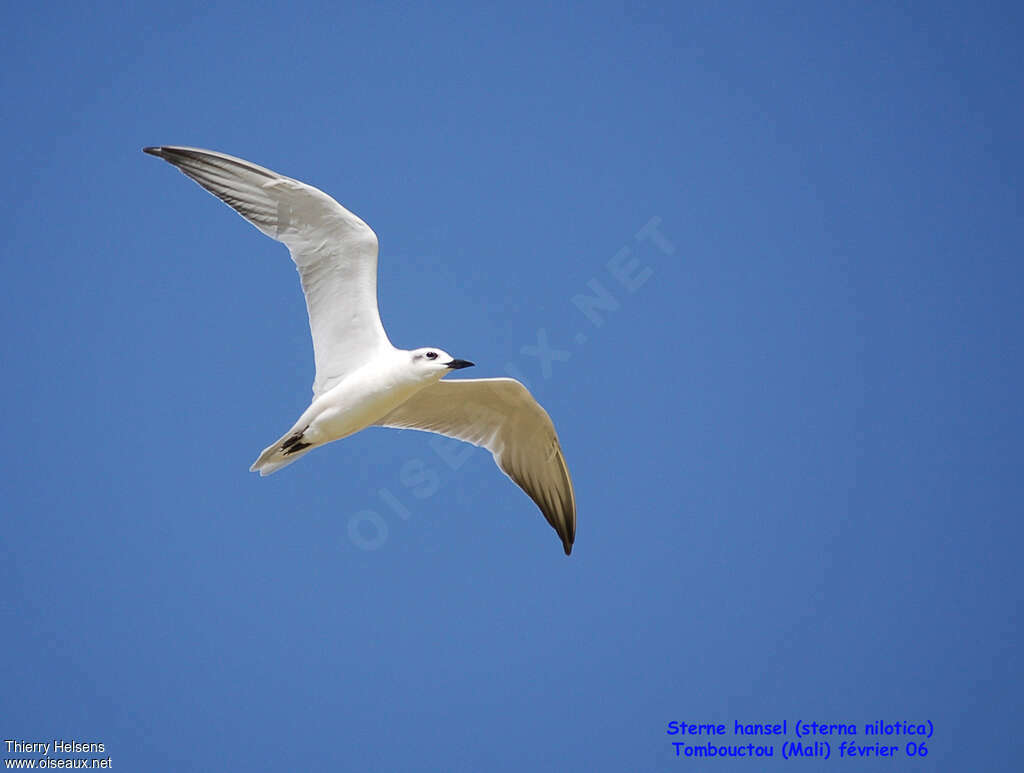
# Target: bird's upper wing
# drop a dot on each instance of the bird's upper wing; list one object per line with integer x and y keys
{"x": 502, "y": 416}
{"x": 334, "y": 251}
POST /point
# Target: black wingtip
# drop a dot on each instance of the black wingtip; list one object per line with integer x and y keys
{"x": 567, "y": 547}
{"x": 153, "y": 150}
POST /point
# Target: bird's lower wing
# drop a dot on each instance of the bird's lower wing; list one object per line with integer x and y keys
{"x": 334, "y": 251}
{"x": 501, "y": 415}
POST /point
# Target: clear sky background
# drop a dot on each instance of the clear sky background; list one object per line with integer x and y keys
{"x": 795, "y": 447}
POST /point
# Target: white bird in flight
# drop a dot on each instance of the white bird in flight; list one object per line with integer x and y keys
{"x": 361, "y": 379}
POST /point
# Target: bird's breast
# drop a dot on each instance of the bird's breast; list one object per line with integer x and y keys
{"x": 357, "y": 403}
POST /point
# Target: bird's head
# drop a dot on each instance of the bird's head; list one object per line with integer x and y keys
{"x": 430, "y": 362}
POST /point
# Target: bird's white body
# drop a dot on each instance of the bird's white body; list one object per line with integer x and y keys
{"x": 361, "y": 379}
{"x": 359, "y": 400}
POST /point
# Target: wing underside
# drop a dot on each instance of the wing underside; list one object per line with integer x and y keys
{"x": 500, "y": 415}
{"x": 334, "y": 252}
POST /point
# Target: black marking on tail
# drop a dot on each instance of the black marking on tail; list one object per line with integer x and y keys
{"x": 294, "y": 443}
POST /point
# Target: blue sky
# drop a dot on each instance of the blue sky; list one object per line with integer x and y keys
{"x": 794, "y": 447}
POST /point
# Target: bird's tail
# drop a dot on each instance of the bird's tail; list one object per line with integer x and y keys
{"x": 282, "y": 452}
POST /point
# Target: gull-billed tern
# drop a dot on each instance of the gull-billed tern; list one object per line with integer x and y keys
{"x": 361, "y": 379}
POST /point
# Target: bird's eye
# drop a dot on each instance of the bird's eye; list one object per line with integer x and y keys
{"x": 431, "y": 355}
